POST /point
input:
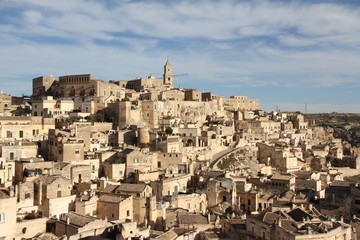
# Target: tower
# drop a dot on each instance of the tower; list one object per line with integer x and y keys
{"x": 168, "y": 76}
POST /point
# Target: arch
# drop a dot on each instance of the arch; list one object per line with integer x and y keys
{"x": 82, "y": 91}
{"x": 72, "y": 91}
{"x": 176, "y": 188}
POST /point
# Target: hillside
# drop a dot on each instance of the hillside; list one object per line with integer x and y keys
{"x": 346, "y": 125}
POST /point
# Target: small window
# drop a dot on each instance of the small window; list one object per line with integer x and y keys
{"x": 27, "y": 195}
{"x": 12, "y": 156}
{"x": 77, "y": 151}
{"x": 128, "y": 213}
{"x": 8, "y": 134}
{"x": 21, "y": 134}
{"x": 2, "y": 217}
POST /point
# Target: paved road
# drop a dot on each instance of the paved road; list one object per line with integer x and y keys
{"x": 216, "y": 158}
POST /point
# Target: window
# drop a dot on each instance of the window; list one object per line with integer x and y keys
{"x": 188, "y": 205}
{"x": 8, "y": 134}
{"x": 77, "y": 151}
{"x": 136, "y": 160}
{"x": 27, "y": 195}
{"x": 12, "y": 156}
{"x": 94, "y": 212}
{"x": 128, "y": 213}
{"x": 2, "y": 217}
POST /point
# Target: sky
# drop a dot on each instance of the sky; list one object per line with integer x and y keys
{"x": 287, "y": 54}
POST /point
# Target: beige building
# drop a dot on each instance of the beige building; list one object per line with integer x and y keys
{"x": 76, "y": 226}
{"x": 42, "y": 85}
{"x": 7, "y": 215}
{"x": 170, "y": 186}
{"x": 86, "y": 205}
{"x": 49, "y": 107}
{"x": 53, "y": 196}
{"x": 296, "y": 224}
{"x": 5, "y": 104}
{"x": 115, "y": 207}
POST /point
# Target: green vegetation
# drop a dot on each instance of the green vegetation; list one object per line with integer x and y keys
{"x": 228, "y": 163}
{"x": 169, "y": 130}
{"x": 355, "y": 178}
{"x": 335, "y": 162}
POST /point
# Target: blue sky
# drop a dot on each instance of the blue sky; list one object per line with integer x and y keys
{"x": 285, "y": 53}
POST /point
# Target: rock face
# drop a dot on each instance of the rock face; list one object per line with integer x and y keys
{"x": 241, "y": 162}
{"x": 351, "y": 135}
{"x": 346, "y": 126}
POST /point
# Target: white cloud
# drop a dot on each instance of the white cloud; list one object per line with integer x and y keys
{"x": 238, "y": 43}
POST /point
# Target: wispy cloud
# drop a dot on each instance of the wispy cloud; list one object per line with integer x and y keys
{"x": 274, "y": 44}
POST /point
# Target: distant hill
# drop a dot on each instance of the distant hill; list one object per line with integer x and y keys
{"x": 346, "y": 125}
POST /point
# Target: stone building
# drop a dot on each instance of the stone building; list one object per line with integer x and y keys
{"x": 144, "y": 204}
{"x": 86, "y": 205}
{"x": 41, "y": 86}
{"x": 115, "y": 207}
{"x": 7, "y": 215}
{"x": 5, "y": 104}
{"x": 78, "y": 226}
{"x": 171, "y": 185}
{"x": 295, "y": 224}
{"x": 53, "y": 196}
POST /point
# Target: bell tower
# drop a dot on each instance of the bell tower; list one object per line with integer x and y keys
{"x": 168, "y": 75}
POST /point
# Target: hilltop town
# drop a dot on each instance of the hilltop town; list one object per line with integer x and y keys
{"x": 84, "y": 158}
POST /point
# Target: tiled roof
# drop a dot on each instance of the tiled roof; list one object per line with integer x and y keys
{"x": 282, "y": 177}
{"x": 191, "y": 218}
{"x": 169, "y": 235}
{"x": 268, "y": 217}
{"x": 110, "y": 198}
{"x": 131, "y": 188}
{"x": 110, "y": 188}
{"x": 48, "y": 179}
{"x": 78, "y": 219}
{"x": 299, "y": 215}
